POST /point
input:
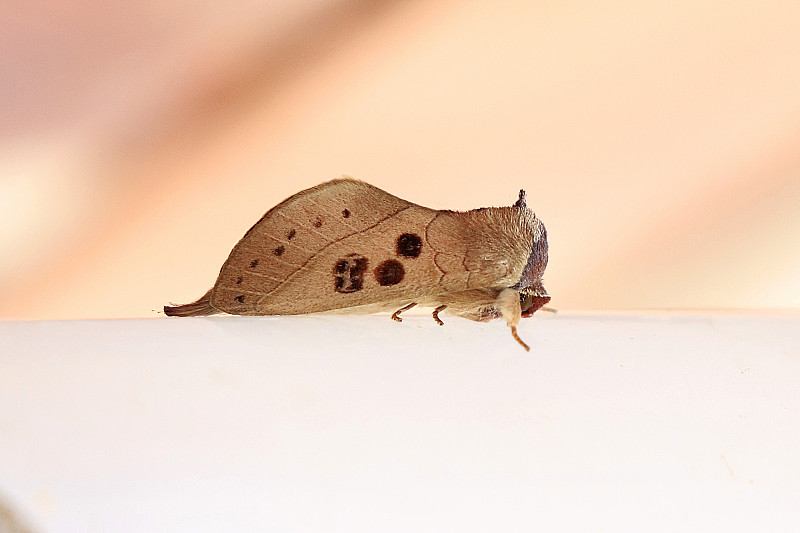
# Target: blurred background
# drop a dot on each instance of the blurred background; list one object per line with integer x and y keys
{"x": 658, "y": 141}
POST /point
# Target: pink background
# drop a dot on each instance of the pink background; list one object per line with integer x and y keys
{"x": 658, "y": 141}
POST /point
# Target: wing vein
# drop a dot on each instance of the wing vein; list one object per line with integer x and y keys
{"x": 237, "y": 289}
{"x": 260, "y": 275}
{"x": 315, "y": 254}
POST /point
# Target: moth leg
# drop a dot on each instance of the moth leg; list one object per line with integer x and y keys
{"x": 518, "y": 339}
{"x": 396, "y": 314}
{"x": 473, "y": 304}
{"x": 508, "y": 304}
{"x": 436, "y": 314}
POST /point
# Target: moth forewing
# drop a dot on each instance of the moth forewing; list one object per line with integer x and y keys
{"x": 346, "y": 246}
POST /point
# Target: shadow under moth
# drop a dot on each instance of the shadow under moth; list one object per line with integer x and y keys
{"x": 346, "y": 246}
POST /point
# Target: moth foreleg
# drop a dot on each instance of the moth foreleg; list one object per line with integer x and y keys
{"x": 396, "y": 314}
{"x": 508, "y": 304}
{"x": 436, "y": 314}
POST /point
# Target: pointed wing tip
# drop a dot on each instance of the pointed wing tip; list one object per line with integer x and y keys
{"x": 202, "y": 307}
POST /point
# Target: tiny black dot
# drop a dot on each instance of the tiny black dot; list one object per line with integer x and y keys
{"x": 240, "y": 298}
{"x": 239, "y": 280}
{"x": 290, "y": 235}
{"x": 279, "y": 250}
{"x": 254, "y": 263}
{"x": 390, "y": 272}
{"x": 318, "y": 222}
{"x": 409, "y": 245}
{"x": 346, "y": 213}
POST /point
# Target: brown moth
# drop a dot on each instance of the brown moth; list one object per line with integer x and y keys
{"x": 347, "y": 246}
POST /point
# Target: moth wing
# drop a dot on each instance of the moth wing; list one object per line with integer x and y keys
{"x": 299, "y": 240}
{"x": 413, "y": 254}
{"x": 383, "y": 266}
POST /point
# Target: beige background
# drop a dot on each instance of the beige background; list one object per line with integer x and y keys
{"x": 658, "y": 141}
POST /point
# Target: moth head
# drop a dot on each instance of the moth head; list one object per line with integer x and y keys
{"x": 532, "y": 294}
{"x": 531, "y": 301}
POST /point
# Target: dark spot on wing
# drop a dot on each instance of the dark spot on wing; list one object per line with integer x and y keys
{"x": 239, "y": 280}
{"x": 390, "y": 272}
{"x": 291, "y": 234}
{"x": 409, "y": 245}
{"x": 318, "y": 222}
{"x": 279, "y": 250}
{"x": 240, "y": 298}
{"x": 346, "y": 213}
{"x": 348, "y": 273}
{"x": 254, "y": 263}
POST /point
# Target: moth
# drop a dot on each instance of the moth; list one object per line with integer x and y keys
{"x": 347, "y": 246}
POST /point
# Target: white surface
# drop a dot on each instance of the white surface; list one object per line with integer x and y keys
{"x": 349, "y": 424}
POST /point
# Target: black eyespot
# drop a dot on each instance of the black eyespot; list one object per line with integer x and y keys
{"x": 279, "y": 250}
{"x": 390, "y": 272}
{"x": 346, "y": 213}
{"x": 409, "y": 245}
{"x": 348, "y": 273}
{"x": 240, "y": 298}
{"x": 254, "y": 263}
